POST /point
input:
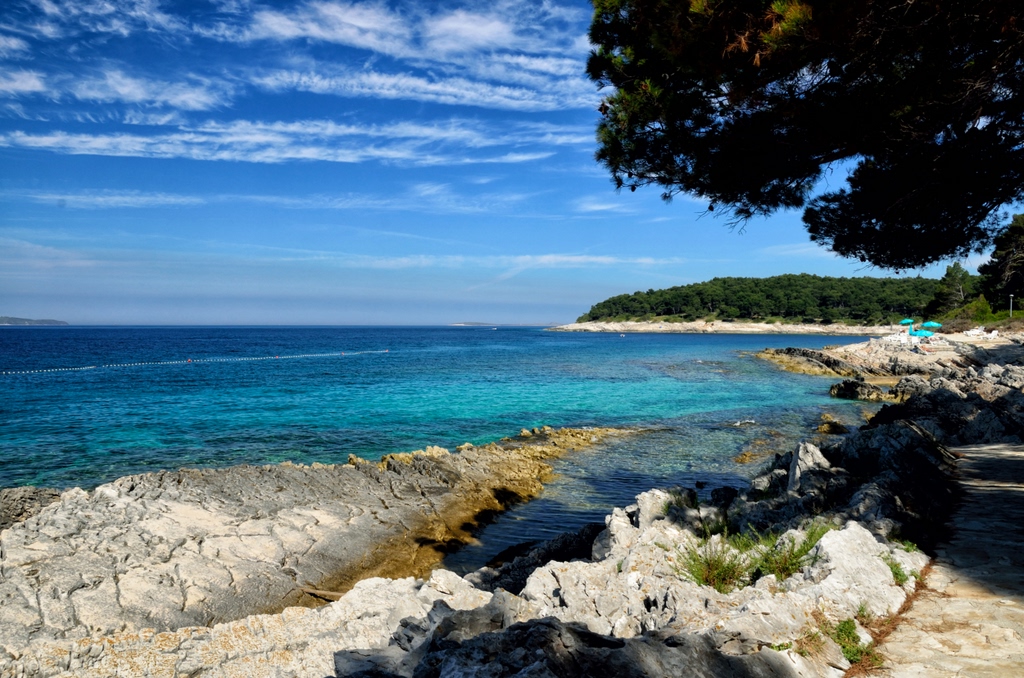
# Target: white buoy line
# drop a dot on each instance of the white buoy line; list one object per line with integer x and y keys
{"x": 189, "y": 361}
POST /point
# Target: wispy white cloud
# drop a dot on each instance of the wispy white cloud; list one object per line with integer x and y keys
{"x": 366, "y": 25}
{"x": 162, "y": 119}
{"x": 442, "y": 143}
{"x": 509, "y": 56}
{"x": 590, "y": 205}
{"x": 517, "y": 263}
{"x": 452, "y": 90}
{"x": 112, "y": 199}
{"x": 435, "y": 198}
{"x": 18, "y": 254}
{"x": 21, "y": 82}
{"x": 71, "y": 17}
{"x": 465, "y": 31}
{"x": 11, "y": 46}
{"x": 116, "y": 86}
{"x": 972, "y": 262}
{"x": 801, "y": 249}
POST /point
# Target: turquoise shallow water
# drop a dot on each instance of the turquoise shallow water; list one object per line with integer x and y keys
{"x": 264, "y": 395}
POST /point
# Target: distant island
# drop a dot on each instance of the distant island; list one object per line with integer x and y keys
{"x": 8, "y": 320}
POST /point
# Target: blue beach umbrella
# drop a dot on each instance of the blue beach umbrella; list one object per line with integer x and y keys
{"x": 907, "y": 321}
{"x": 931, "y": 323}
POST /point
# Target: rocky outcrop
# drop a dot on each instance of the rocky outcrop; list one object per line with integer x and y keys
{"x": 634, "y": 608}
{"x": 200, "y": 547}
{"x": 881, "y": 358}
{"x": 632, "y": 603}
{"x": 298, "y": 643}
{"x": 548, "y": 648}
{"x": 858, "y": 389}
{"x": 810, "y": 361}
{"x": 21, "y": 503}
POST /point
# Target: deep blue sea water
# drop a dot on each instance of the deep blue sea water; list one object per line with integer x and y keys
{"x": 264, "y": 395}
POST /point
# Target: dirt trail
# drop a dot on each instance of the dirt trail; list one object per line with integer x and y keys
{"x": 970, "y": 621}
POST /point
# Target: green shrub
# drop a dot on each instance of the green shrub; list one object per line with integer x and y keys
{"x": 787, "y": 559}
{"x": 714, "y": 563}
{"x": 906, "y": 545}
{"x": 845, "y": 634}
{"x": 898, "y": 575}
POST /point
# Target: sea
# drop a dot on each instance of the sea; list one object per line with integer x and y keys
{"x": 81, "y": 406}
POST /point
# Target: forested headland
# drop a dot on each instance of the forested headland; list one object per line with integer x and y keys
{"x": 792, "y": 297}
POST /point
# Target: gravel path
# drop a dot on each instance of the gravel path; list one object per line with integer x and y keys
{"x": 970, "y": 620}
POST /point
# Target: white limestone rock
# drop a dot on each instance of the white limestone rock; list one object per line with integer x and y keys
{"x": 806, "y": 458}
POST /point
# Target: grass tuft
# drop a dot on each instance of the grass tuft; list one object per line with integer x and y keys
{"x": 906, "y": 545}
{"x": 809, "y": 644}
{"x": 714, "y": 564}
{"x": 898, "y": 575}
{"x": 787, "y": 559}
{"x": 740, "y": 559}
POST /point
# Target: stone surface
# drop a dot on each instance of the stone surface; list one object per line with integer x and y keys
{"x": 969, "y": 621}
{"x": 806, "y": 458}
{"x": 21, "y": 503}
{"x": 200, "y": 547}
{"x": 297, "y": 643}
{"x": 547, "y": 648}
{"x": 855, "y": 389}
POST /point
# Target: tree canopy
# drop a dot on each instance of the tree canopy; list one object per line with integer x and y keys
{"x": 954, "y": 290}
{"x": 1003, "y": 274}
{"x": 748, "y": 103}
{"x": 792, "y": 297}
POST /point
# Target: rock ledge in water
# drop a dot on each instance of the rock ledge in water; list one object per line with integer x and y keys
{"x": 200, "y": 547}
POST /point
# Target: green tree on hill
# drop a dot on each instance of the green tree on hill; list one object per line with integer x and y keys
{"x": 955, "y": 289}
{"x": 749, "y": 103}
{"x": 792, "y": 297}
{"x": 1003, "y": 274}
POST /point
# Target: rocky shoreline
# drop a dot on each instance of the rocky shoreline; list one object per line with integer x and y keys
{"x": 198, "y": 547}
{"x": 724, "y": 327}
{"x": 796, "y": 576}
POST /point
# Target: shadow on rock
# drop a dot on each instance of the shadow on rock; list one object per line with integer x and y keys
{"x": 549, "y": 648}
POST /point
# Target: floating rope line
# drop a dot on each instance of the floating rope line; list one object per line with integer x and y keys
{"x": 189, "y": 361}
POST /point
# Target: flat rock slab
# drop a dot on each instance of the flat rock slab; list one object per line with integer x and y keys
{"x": 970, "y": 620}
{"x": 200, "y": 547}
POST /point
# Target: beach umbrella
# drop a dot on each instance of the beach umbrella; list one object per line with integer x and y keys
{"x": 921, "y": 333}
{"x": 931, "y": 323}
{"x": 907, "y": 321}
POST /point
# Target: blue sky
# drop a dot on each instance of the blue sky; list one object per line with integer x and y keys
{"x": 322, "y": 162}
